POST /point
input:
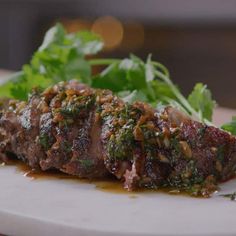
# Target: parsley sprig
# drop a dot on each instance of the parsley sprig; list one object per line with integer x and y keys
{"x": 63, "y": 57}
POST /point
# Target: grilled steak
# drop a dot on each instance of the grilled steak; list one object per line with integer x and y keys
{"x": 91, "y": 133}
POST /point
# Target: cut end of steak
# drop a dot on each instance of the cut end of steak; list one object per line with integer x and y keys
{"x": 91, "y": 133}
{"x": 58, "y": 129}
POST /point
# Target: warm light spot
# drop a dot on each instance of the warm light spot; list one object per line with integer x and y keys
{"x": 76, "y": 25}
{"x": 110, "y": 29}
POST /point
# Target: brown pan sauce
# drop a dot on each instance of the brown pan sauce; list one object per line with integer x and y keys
{"x": 111, "y": 185}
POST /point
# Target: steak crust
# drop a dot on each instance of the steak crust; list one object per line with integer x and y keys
{"x": 91, "y": 133}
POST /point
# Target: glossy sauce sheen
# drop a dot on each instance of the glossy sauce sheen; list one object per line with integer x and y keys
{"x": 106, "y": 185}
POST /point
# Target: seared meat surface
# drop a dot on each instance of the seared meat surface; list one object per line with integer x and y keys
{"x": 91, "y": 133}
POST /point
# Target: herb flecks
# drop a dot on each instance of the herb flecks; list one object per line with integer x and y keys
{"x": 44, "y": 141}
{"x": 77, "y": 105}
{"x": 231, "y": 196}
{"x": 86, "y": 163}
{"x": 230, "y": 126}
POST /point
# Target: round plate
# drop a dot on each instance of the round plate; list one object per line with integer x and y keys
{"x": 65, "y": 207}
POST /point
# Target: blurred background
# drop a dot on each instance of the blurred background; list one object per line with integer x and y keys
{"x": 195, "y": 39}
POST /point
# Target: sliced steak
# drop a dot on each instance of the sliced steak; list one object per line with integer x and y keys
{"x": 91, "y": 133}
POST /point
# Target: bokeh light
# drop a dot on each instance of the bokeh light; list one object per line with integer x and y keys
{"x": 110, "y": 29}
{"x": 74, "y": 25}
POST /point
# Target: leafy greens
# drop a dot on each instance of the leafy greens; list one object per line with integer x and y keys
{"x": 60, "y": 58}
{"x": 201, "y": 100}
{"x": 231, "y": 126}
{"x": 63, "y": 57}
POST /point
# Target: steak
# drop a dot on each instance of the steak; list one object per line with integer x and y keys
{"x": 91, "y": 133}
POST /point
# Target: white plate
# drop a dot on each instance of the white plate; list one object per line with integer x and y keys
{"x": 65, "y": 207}
{"x": 62, "y": 207}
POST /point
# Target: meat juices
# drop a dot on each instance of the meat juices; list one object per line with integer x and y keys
{"x": 90, "y": 133}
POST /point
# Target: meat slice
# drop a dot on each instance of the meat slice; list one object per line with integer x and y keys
{"x": 91, "y": 133}
{"x": 58, "y": 129}
{"x": 152, "y": 149}
{"x": 20, "y": 124}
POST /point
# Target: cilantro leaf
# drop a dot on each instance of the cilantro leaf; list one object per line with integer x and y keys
{"x": 230, "y": 126}
{"x": 133, "y": 96}
{"x": 111, "y": 78}
{"x": 54, "y": 35}
{"x": 61, "y": 57}
{"x": 134, "y": 78}
{"x": 201, "y": 100}
{"x": 86, "y": 42}
{"x": 121, "y": 76}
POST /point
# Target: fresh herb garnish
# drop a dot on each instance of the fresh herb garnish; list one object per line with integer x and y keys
{"x": 62, "y": 57}
{"x": 230, "y": 126}
{"x": 201, "y": 100}
{"x": 231, "y": 196}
